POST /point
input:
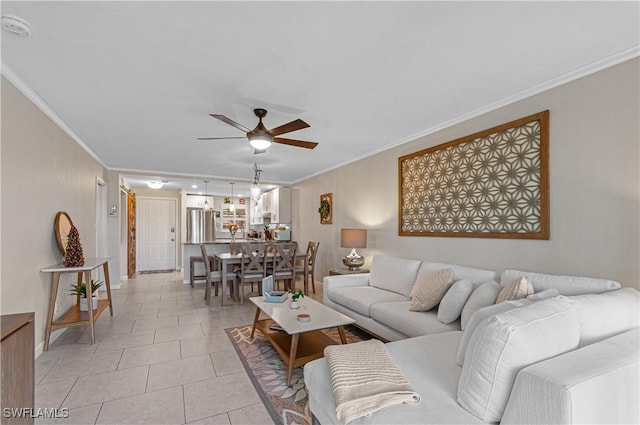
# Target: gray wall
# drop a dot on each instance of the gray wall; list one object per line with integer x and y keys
{"x": 43, "y": 171}
{"x": 594, "y": 189}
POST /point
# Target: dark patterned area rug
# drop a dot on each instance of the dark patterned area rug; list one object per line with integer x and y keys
{"x": 156, "y": 271}
{"x": 267, "y": 371}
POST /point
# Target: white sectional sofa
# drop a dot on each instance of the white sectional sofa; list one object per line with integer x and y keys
{"x": 591, "y": 377}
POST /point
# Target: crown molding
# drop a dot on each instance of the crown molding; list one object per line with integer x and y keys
{"x": 30, "y": 94}
{"x": 568, "y": 77}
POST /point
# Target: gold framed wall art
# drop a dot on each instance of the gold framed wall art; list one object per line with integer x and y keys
{"x": 326, "y": 208}
{"x": 491, "y": 184}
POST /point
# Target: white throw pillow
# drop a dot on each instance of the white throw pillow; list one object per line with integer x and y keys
{"x": 429, "y": 289}
{"x": 478, "y": 317}
{"x": 482, "y": 296}
{"x": 505, "y": 343}
{"x": 543, "y": 295}
{"x": 453, "y": 301}
{"x": 516, "y": 290}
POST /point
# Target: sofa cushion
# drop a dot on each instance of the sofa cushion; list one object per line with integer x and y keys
{"x": 476, "y": 276}
{"x": 482, "y": 296}
{"x": 393, "y": 274}
{"x": 607, "y": 314}
{"x": 518, "y": 289}
{"x": 505, "y": 343}
{"x": 361, "y": 298}
{"x": 397, "y": 316}
{"x": 478, "y": 317}
{"x": 566, "y": 285}
{"x": 429, "y": 289}
{"x": 426, "y": 362}
{"x": 453, "y": 301}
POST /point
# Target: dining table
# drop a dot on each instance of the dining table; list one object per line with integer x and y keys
{"x": 226, "y": 259}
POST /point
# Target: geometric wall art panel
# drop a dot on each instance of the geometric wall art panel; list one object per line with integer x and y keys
{"x": 491, "y": 184}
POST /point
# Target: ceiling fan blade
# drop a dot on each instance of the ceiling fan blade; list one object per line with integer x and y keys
{"x": 219, "y": 138}
{"x": 288, "y": 127}
{"x": 293, "y": 142}
{"x": 230, "y": 122}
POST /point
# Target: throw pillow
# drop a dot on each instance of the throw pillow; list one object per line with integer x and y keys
{"x": 429, "y": 289}
{"x": 482, "y": 296}
{"x": 505, "y": 343}
{"x": 478, "y": 317}
{"x": 453, "y": 301}
{"x": 543, "y": 295}
{"x": 517, "y": 289}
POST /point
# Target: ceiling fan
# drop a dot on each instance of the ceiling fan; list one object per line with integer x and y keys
{"x": 261, "y": 138}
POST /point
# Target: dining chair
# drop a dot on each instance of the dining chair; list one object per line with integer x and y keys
{"x": 253, "y": 267}
{"x": 284, "y": 263}
{"x": 312, "y": 251}
{"x": 214, "y": 277}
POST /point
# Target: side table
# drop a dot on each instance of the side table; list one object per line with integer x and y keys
{"x": 340, "y": 270}
{"x": 73, "y": 316}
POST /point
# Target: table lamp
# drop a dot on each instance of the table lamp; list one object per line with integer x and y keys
{"x": 353, "y": 238}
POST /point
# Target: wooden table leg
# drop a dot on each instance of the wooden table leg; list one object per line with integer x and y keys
{"x": 87, "y": 278}
{"x": 292, "y": 356}
{"x": 343, "y": 336}
{"x": 55, "y": 279}
{"x": 224, "y": 284}
{"x": 255, "y": 320}
{"x": 105, "y": 268}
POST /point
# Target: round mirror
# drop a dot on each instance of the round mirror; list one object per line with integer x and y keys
{"x": 63, "y": 225}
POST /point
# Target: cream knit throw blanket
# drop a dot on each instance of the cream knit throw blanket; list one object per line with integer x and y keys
{"x": 365, "y": 379}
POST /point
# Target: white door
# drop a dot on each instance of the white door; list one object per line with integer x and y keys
{"x": 156, "y": 234}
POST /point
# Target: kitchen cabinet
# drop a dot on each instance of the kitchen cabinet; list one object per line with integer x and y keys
{"x": 197, "y": 201}
{"x": 277, "y": 204}
{"x": 256, "y": 211}
{"x": 237, "y": 215}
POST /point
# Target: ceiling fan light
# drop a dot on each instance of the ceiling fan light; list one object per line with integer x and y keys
{"x": 260, "y": 141}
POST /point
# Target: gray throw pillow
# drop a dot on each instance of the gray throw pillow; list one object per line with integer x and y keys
{"x": 454, "y": 300}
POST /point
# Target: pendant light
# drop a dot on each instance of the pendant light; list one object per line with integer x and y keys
{"x": 206, "y": 207}
{"x": 232, "y": 207}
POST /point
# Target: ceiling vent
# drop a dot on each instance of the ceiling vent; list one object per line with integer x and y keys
{"x": 15, "y": 25}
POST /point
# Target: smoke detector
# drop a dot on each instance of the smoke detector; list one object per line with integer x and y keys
{"x": 15, "y": 25}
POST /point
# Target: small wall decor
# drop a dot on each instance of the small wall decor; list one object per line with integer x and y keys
{"x": 326, "y": 208}
{"x": 491, "y": 184}
{"x": 75, "y": 256}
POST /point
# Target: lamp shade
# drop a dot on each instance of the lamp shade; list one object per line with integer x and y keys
{"x": 353, "y": 238}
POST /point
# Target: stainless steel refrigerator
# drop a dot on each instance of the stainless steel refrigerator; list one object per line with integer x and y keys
{"x": 201, "y": 225}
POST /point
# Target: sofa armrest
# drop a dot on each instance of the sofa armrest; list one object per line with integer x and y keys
{"x": 336, "y": 281}
{"x": 595, "y": 384}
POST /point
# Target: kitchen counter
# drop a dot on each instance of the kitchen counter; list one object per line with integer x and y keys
{"x": 218, "y": 241}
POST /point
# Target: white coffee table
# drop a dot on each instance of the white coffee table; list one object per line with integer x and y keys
{"x": 299, "y": 342}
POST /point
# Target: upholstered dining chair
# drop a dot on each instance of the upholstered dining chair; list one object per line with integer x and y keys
{"x": 214, "y": 277}
{"x": 253, "y": 267}
{"x": 312, "y": 251}
{"x": 284, "y": 263}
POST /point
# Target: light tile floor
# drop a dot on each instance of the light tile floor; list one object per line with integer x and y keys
{"x": 163, "y": 358}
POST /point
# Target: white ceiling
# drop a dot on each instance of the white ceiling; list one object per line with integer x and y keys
{"x": 136, "y": 81}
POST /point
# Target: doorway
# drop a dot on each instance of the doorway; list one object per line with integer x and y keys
{"x": 156, "y": 234}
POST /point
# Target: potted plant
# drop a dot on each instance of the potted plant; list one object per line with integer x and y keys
{"x": 294, "y": 297}
{"x": 81, "y": 290}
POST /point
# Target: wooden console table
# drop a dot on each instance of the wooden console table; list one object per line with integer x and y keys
{"x": 73, "y": 316}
